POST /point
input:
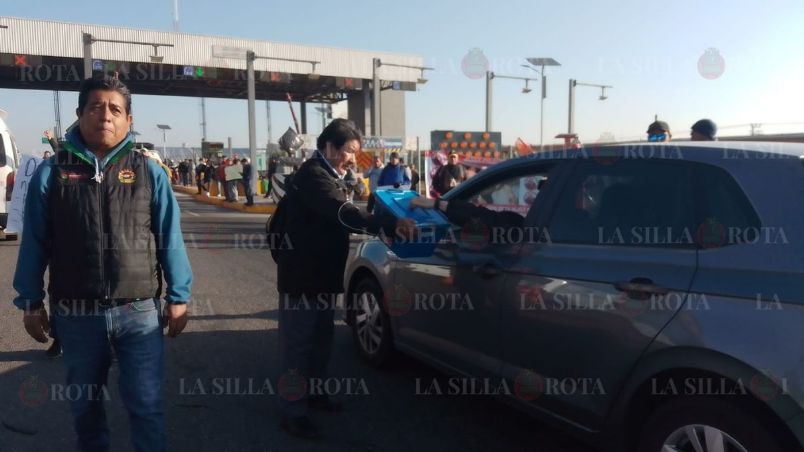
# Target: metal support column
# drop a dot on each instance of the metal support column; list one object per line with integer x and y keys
{"x": 252, "y": 120}
{"x": 489, "y": 78}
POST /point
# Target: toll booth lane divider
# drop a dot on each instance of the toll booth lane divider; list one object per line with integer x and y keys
{"x": 257, "y": 208}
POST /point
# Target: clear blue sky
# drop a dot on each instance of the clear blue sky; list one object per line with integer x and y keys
{"x": 648, "y": 51}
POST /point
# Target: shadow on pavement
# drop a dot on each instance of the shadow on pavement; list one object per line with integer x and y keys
{"x": 221, "y": 395}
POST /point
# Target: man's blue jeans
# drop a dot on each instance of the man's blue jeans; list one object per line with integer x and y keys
{"x": 88, "y": 334}
{"x": 306, "y": 331}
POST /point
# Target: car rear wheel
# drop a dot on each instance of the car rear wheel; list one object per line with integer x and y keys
{"x": 371, "y": 326}
{"x": 705, "y": 425}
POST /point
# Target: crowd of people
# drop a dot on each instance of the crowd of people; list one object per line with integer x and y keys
{"x": 226, "y": 174}
{"x": 394, "y": 174}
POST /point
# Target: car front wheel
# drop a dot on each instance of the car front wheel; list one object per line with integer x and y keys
{"x": 705, "y": 425}
{"x": 371, "y": 326}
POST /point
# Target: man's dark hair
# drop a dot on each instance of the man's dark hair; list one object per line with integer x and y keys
{"x": 105, "y": 83}
{"x": 338, "y": 132}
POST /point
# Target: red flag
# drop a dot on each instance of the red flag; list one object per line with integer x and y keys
{"x": 523, "y": 148}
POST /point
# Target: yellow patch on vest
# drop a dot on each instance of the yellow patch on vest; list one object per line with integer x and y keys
{"x": 126, "y": 176}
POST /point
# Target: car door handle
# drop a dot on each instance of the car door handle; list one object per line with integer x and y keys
{"x": 640, "y": 286}
{"x": 487, "y": 270}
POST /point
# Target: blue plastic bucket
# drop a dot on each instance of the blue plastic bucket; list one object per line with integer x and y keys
{"x": 432, "y": 224}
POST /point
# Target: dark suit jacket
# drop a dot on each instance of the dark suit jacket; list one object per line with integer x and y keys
{"x": 319, "y": 222}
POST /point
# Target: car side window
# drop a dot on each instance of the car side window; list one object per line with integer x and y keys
{"x": 515, "y": 193}
{"x": 725, "y": 212}
{"x": 632, "y": 202}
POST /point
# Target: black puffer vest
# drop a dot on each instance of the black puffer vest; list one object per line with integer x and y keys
{"x": 102, "y": 244}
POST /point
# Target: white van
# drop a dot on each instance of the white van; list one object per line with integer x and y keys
{"x": 9, "y": 160}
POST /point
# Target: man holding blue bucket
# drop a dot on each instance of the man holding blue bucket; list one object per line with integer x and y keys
{"x": 316, "y": 221}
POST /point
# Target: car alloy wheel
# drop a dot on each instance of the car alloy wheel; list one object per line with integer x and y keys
{"x": 701, "y": 438}
{"x": 710, "y": 424}
{"x": 369, "y": 323}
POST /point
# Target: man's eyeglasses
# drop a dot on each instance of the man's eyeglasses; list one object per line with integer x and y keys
{"x": 657, "y": 137}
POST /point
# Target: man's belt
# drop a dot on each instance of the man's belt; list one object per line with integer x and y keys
{"x": 113, "y": 303}
{"x": 103, "y": 303}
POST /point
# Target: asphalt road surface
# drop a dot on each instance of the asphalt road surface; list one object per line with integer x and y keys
{"x": 221, "y": 381}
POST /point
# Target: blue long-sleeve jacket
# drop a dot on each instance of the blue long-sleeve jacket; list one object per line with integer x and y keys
{"x": 392, "y": 175}
{"x": 165, "y": 225}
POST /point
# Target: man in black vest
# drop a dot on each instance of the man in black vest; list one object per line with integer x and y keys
{"x": 102, "y": 217}
{"x": 310, "y": 272}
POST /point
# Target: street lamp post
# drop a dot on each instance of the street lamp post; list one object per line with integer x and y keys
{"x": 491, "y": 76}
{"x": 88, "y": 40}
{"x": 164, "y": 128}
{"x": 572, "y": 84}
{"x": 252, "y": 119}
{"x": 489, "y": 86}
{"x": 376, "y": 125}
{"x": 375, "y": 97}
{"x": 542, "y": 62}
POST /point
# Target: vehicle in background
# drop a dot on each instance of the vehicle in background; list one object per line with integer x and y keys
{"x": 9, "y": 161}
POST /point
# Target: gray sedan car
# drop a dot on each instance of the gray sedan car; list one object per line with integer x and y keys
{"x": 647, "y": 297}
